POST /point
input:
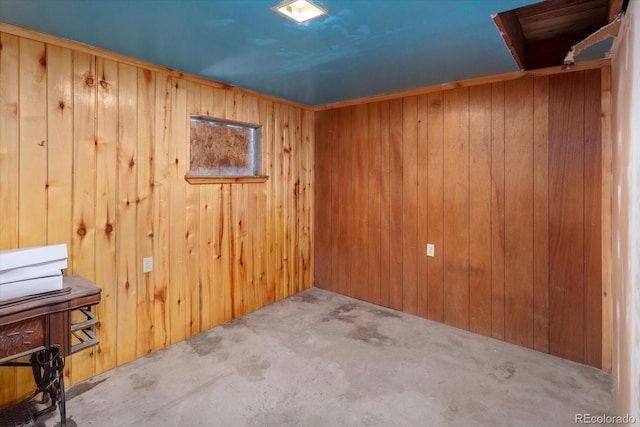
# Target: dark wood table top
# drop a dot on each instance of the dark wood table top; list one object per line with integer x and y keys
{"x": 77, "y": 292}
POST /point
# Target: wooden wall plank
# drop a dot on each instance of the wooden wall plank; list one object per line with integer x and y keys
{"x": 32, "y": 204}
{"x": 256, "y": 201}
{"x": 435, "y": 205}
{"x": 519, "y": 212}
{"x": 344, "y": 155}
{"x": 374, "y": 190}
{"x": 294, "y": 201}
{"x": 306, "y": 196}
{"x": 456, "y": 207}
{"x": 179, "y": 308}
{"x": 82, "y": 251}
{"x": 60, "y": 152}
{"x": 396, "y": 165}
{"x": 106, "y": 207}
{"x": 193, "y": 232}
{"x": 288, "y": 201}
{"x": 200, "y": 242}
{"x": 32, "y": 113}
{"x": 238, "y": 229}
{"x": 162, "y": 212}
{"x": 200, "y": 306}
{"x": 221, "y": 222}
{"x": 291, "y": 217}
{"x": 145, "y": 199}
{"x": 226, "y": 236}
{"x": 293, "y": 205}
{"x": 566, "y": 216}
{"x": 279, "y": 202}
{"x": 606, "y": 152}
{"x": 268, "y": 155}
{"x": 497, "y": 210}
{"x": 592, "y": 219}
{"x": 385, "y": 205}
{"x": 334, "y": 205}
{"x": 409, "y": 146}
{"x": 60, "y": 132}
{"x": 246, "y": 262}
{"x": 480, "y": 209}
{"x": 9, "y": 172}
{"x": 283, "y": 201}
{"x": 541, "y": 213}
{"x": 360, "y": 199}
{"x": 323, "y": 221}
{"x": 263, "y": 285}
{"x": 128, "y": 263}
{"x": 422, "y": 213}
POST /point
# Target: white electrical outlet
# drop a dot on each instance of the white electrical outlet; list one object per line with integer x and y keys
{"x": 431, "y": 249}
{"x": 147, "y": 265}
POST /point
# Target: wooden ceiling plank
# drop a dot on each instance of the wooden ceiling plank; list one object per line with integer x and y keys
{"x": 615, "y": 6}
{"x": 555, "y": 7}
{"x": 596, "y": 14}
{"x": 511, "y": 32}
{"x": 565, "y": 25}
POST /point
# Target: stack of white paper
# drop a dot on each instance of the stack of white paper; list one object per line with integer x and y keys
{"x": 29, "y": 271}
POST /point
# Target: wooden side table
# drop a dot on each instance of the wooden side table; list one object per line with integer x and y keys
{"x": 41, "y": 326}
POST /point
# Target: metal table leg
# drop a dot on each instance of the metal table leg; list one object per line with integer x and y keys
{"x": 48, "y": 373}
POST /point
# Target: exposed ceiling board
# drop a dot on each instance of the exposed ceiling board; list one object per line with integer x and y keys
{"x": 362, "y": 48}
{"x": 540, "y": 35}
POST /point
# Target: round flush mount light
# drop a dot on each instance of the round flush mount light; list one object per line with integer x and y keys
{"x": 299, "y": 11}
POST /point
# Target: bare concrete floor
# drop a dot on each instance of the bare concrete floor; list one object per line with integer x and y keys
{"x": 321, "y": 359}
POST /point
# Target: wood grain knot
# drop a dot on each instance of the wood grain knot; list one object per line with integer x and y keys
{"x": 41, "y": 143}
{"x": 108, "y": 228}
{"x": 103, "y": 84}
{"x": 89, "y": 81}
{"x": 61, "y": 105}
{"x": 82, "y": 231}
{"x": 132, "y": 163}
{"x": 43, "y": 60}
{"x": 436, "y": 103}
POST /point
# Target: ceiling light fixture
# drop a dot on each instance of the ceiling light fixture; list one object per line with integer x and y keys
{"x": 299, "y": 11}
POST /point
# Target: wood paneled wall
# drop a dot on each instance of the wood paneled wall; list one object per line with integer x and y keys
{"x": 505, "y": 180}
{"x": 93, "y": 153}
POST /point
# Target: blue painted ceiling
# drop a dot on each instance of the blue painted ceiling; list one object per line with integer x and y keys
{"x": 362, "y": 48}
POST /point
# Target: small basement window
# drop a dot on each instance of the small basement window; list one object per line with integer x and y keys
{"x": 223, "y": 151}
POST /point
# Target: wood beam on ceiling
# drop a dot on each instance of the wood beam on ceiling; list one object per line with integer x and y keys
{"x": 511, "y": 31}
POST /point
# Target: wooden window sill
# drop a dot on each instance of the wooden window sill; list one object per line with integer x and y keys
{"x": 199, "y": 179}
